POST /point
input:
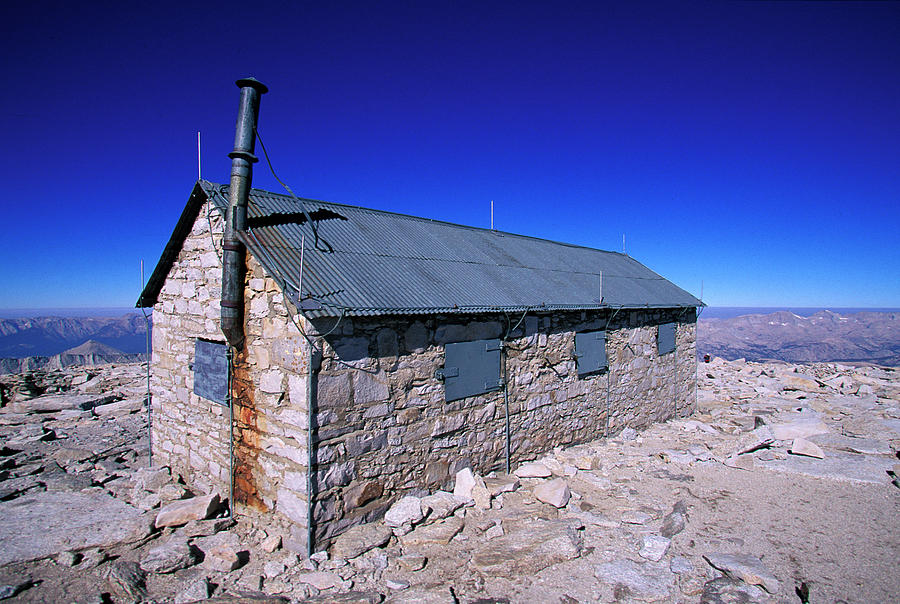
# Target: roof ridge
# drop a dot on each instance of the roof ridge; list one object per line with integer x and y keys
{"x": 424, "y": 219}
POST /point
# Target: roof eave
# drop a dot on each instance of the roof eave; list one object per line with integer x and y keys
{"x": 150, "y": 293}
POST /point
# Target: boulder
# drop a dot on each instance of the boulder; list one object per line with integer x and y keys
{"x": 271, "y": 543}
{"x": 628, "y": 434}
{"x": 168, "y": 557}
{"x": 481, "y": 496}
{"x": 407, "y": 511}
{"x": 636, "y": 517}
{"x": 359, "y": 539}
{"x": 501, "y": 484}
{"x": 53, "y": 403}
{"x": 532, "y": 470}
{"x": 195, "y": 591}
{"x": 151, "y": 479}
{"x": 224, "y": 557}
{"x": 799, "y": 381}
{"x": 205, "y": 528}
{"x": 555, "y": 492}
{"x": 675, "y": 521}
{"x": 273, "y": 569}
{"x": 127, "y": 578}
{"x": 223, "y": 552}
{"x": 184, "y": 510}
{"x": 654, "y": 548}
{"x": 465, "y": 482}
{"x": 396, "y": 584}
{"x": 411, "y": 562}
{"x": 442, "y": 504}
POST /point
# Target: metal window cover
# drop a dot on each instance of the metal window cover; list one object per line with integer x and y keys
{"x": 211, "y": 371}
{"x": 471, "y": 368}
{"x": 665, "y": 338}
{"x": 590, "y": 352}
{"x": 371, "y": 262}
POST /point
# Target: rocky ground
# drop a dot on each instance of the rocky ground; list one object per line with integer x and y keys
{"x": 782, "y": 485}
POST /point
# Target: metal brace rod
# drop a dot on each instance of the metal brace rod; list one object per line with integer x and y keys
{"x": 229, "y": 399}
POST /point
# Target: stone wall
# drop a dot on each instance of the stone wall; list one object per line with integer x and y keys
{"x": 191, "y": 434}
{"x": 382, "y": 426}
{"x": 188, "y": 433}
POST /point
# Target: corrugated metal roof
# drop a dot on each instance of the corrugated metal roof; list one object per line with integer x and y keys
{"x": 384, "y": 263}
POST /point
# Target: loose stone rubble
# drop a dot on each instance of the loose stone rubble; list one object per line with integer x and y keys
{"x": 727, "y": 505}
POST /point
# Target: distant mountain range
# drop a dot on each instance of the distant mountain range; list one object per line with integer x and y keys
{"x": 89, "y": 353}
{"x": 824, "y": 336}
{"x": 56, "y": 342}
{"x": 47, "y": 336}
{"x": 31, "y": 343}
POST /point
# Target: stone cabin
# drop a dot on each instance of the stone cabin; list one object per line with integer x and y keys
{"x": 382, "y": 353}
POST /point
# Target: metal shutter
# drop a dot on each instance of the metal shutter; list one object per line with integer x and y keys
{"x": 470, "y": 368}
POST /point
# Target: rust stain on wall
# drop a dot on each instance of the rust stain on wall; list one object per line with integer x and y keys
{"x": 246, "y": 435}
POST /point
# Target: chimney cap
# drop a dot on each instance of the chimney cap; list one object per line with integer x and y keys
{"x": 253, "y": 83}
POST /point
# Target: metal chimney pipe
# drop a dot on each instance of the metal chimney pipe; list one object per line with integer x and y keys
{"x": 242, "y": 160}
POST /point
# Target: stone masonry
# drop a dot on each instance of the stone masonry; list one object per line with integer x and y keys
{"x": 381, "y": 426}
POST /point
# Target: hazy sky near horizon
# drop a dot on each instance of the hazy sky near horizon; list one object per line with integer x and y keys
{"x": 750, "y": 147}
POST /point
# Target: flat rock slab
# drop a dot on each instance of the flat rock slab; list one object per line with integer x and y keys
{"x": 321, "y": 579}
{"x": 248, "y": 597}
{"x": 423, "y": 595}
{"x": 861, "y": 446}
{"x": 648, "y": 582}
{"x": 845, "y": 467}
{"x": 45, "y": 524}
{"x": 442, "y": 504}
{"x": 748, "y": 569}
{"x": 359, "y": 539}
{"x": 891, "y": 424}
{"x": 801, "y": 446}
{"x": 528, "y": 548}
{"x": 503, "y": 484}
{"x": 347, "y": 597}
{"x": 800, "y": 428}
{"x": 532, "y": 470}
{"x": 124, "y": 407}
{"x": 168, "y": 557}
{"x": 53, "y": 403}
{"x": 439, "y": 533}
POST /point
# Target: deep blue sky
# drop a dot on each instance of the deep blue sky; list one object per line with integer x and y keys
{"x": 753, "y": 147}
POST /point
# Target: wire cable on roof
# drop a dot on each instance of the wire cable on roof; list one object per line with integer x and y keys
{"x": 309, "y": 220}
{"x": 284, "y": 282}
{"x": 212, "y": 240}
